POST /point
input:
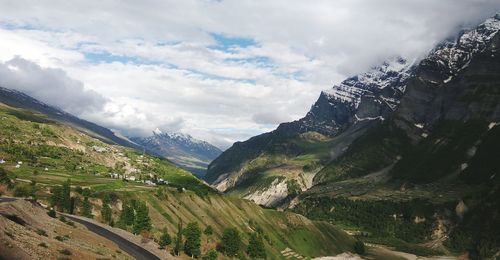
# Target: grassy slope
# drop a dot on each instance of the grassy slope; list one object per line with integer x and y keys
{"x": 427, "y": 171}
{"x": 67, "y": 153}
{"x": 296, "y": 159}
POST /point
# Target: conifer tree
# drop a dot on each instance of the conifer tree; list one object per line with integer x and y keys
{"x": 231, "y": 242}
{"x": 256, "y": 248}
{"x": 178, "y": 238}
{"x": 66, "y": 202}
{"x": 87, "y": 208}
{"x": 127, "y": 216}
{"x": 142, "y": 220}
{"x": 192, "y": 244}
{"x": 106, "y": 213}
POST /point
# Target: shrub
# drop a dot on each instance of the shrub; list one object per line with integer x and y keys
{"x": 359, "y": 247}
{"x": 60, "y": 238}
{"x": 41, "y": 232}
{"x": 165, "y": 239}
{"x": 65, "y": 251}
{"x": 210, "y": 255}
{"x": 52, "y": 213}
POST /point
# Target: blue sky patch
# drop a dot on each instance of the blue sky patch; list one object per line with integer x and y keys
{"x": 225, "y": 42}
{"x": 107, "y": 57}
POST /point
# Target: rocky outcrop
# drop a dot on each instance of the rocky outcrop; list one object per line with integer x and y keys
{"x": 272, "y": 196}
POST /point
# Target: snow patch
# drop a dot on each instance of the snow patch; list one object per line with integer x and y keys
{"x": 390, "y": 73}
{"x": 448, "y": 79}
{"x": 369, "y": 118}
{"x": 493, "y": 124}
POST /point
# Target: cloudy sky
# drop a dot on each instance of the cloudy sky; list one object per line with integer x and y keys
{"x": 221, "y": 71}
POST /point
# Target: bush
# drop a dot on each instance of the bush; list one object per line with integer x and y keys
{"x": 210, "y": 255}
{"x": 60, "y": 238}
{"x": 52, "y": 213}
{"x": 359, "y": 248}
{"x": 22, "y": 190}
{"x": 165, "y": 239}
{"x": 208, "y": 231}
{"x": 41, "y": 232}
{"x": 65, "y": 251}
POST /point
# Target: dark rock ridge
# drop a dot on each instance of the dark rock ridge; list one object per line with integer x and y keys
{"x": 368, "y": 96}
{"x": 458, "y": 80}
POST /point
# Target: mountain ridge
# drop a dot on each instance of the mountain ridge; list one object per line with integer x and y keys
{"x": 182, "y": 149}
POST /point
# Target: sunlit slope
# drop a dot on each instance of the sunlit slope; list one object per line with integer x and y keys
{"x": 52, "y": 152}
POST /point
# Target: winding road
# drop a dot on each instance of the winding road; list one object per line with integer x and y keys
{"x": 124, "y": 244}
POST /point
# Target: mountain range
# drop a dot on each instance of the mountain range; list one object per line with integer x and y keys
{"x": 405, "y": 152}
{"x": 182, "y": 149}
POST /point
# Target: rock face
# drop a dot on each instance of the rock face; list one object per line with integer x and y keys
{"x": 457, "y": 82}
{"x": 182, "y": 149}
{"x": 366, "y": 97}
{"x": 272, "y": 196}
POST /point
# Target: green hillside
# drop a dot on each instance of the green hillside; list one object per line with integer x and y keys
{"x": 52, "y": 153}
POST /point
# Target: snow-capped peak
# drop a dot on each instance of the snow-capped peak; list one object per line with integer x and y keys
{"x": 391, "y": 73}
{"x": 453, "y": 57}
{"x": 157, "y": 131}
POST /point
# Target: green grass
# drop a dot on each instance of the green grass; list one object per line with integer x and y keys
{"x": 68, "y": 154}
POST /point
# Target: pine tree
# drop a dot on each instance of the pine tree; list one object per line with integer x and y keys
{"x": 231, "y": 242}
{"x": 56, "y": 198}
{"x": 142, "y": 220}
{"x": 106, "y": 213}
{"x": 67, "y": 205}
{"x": 87, "y": 208}
{"x": 256, "y": 248}
{"x": 178, "y": 238}
{"x": 165, "y": 239}
{"x": 192, "y": 244}
{"x": 127, "y": 216}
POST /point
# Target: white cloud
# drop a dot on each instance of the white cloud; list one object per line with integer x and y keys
{"x": 158, "y": 65}
{"x": 51, "y": 86}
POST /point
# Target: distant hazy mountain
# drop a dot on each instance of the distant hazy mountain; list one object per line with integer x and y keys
{"x": 182, "y": 149}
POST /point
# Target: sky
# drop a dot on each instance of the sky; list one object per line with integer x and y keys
{"x": 221, "y": 71}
